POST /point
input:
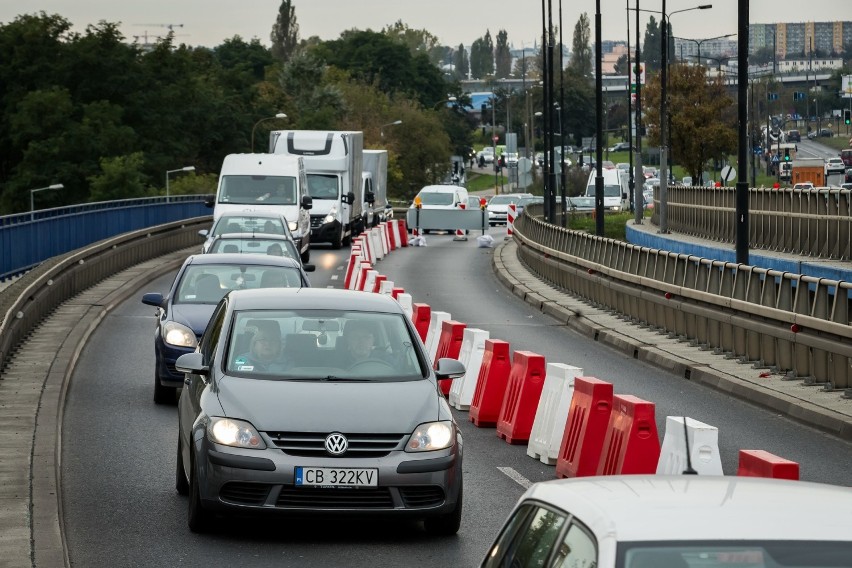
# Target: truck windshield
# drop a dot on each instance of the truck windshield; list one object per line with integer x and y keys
{"x": 323, "y": 186}
{"x": 269, "y": 190}
{"x": 609, "y": 191}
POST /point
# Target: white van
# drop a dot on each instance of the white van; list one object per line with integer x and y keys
{"x": 442, "y": 196}
{"x": 267, "y": 182}
{"x": 616, "y": 189}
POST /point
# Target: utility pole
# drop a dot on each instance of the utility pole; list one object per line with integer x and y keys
{"x": 742, "y": 213}
{"x": 630, "y": 178}
{"x": 639, "y": 176}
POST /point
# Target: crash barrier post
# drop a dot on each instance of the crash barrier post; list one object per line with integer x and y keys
{"x": 511, "y": 213}
{"x": 386, "y": 287}
{"x": 632, "y": 444}
{"x": 435, "y": 322}
{"x": 702, "y": 442}
{"x": 449, "y": 345}
{"x": 396, "y": 291}
{"x": 369, "y": 280}
{"x": 383, "y": 237}
{"x": 421, "y": 317}
{"x": 402, "y": 230}
{"x": 759, "y": 463}
{"x": 393, "y": 234}
{"x": 472, "y": 350}
{"x": 460, "y": 233}
{"x": 491, "y": 383}
{"x": 377, "y": 284}
{"x": 406, "y": 303}
{"x": 366, "y": 248}
{"x": 351, "y": 267}
{"x": 523, "y": 391}
{"x": 585, "y": 430}
{"x": 362, "y": 275}
{"x": 552, "y": 413}
{"x": 376, "y": 243}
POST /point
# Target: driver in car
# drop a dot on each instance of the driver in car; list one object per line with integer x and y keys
{"x": 359, "y": 344}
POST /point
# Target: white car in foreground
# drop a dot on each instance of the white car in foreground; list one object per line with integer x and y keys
{"x": 686, "y": 521}
{"x": 834, "y": 166}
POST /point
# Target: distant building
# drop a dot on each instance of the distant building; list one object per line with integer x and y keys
{"x": 803, "y": 65}
{"x": 800, "y": 39}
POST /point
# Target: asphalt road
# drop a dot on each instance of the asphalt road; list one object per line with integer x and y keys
{"x": 121, "y": 509}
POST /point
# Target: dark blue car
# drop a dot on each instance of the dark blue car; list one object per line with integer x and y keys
{"x": 200, "y": 283}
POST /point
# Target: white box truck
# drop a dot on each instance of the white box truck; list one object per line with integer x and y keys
{"x": 267, "y": 182}
{"x": 333, "y": 163}
{"x": 375, "y": 187}
{"x": 616, "y": 191}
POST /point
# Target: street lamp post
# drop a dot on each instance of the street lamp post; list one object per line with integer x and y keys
{"x": 382, "y": 128}
{"x": 699, "y": 42}
{"x": 279, "y": 115}
{"x": 33, "y": 191}
{"x": 184, "y": 169}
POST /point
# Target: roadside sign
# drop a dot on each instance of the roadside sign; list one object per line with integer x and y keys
{"x": 775, "y": 159}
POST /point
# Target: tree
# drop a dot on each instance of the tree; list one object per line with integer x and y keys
{"x": 502, "y": 56}
{"x": 651, "y": 46}
{"x": 762, "y": 56}
{"x": 703, "y": 117}
{"x": 121, "y": 177}
{"x": 417, "y": 41}
{"x": 620, "y": 66}
{"x": 285, "y": 32}
{"x": 461, "y": 62}
{"x": 581, "y": 52}
{"x": 482, "y": 57}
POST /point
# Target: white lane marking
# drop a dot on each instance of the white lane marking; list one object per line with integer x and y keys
{"x": 329, "y": 286}
{"x": 334, "y": 276}
{"x": 339, "y": 267}
{"x": 516, "y": 477}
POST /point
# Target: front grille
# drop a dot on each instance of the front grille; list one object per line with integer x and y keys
{"x": 346, "y": 498}
{"x": 360, "y": 445}
{"x": 418, "y": 497}
{"x": 244, "y": 493}
{"x": 316, "y": 221}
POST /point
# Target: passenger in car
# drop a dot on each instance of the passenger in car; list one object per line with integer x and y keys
{"x": 265, "y": 352}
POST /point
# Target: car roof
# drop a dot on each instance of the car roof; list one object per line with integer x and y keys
{"x": 314, "y": 298}
{"x": 441, "y": 188}
{"x": 252, "y": 213}
{"x": 691, "y": 507}
{"x": 253, "y": 236}
{"x": 243, "y": 259}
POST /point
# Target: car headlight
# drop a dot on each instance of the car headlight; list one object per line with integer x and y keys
{"x": 332, "y": 216}
{"x": 179, "y": 335}
{"x": 234, "y": 433}
{"x": 293, "y": 225}
{"x": 491, "y": 213}
{"x": 431, "y": 436}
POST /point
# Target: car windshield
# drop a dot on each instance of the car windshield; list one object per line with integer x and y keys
{"x": 503, "y": 199}
{"x": 739, "y": 554}
{"x": 609, "y": 191}
{"x": 269, "y": 190}
{"x": 323, "y": 186}
{"x": 208, "y": 283}
{"x": 248, "y": 224}
{"x": 324, "y": 345}
{"x": 436, "y": 198}
{"x": 275, "y": 247}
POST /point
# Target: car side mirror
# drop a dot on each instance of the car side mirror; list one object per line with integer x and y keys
{"x": 154, "y": 299}
{"x": 449, "y": 369}
{"x": 209, "y": 202}
{"x": 307, "y": 202}
{"x": 370, "y": 197}
{"x": 192, "y": 363}
{"x": 203, "y": 233}
{"x": 350, "y": 198}
{"x": 308, "y": 267}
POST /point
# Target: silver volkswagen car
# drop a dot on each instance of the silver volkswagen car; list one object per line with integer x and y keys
{"x": 317, "y": 401}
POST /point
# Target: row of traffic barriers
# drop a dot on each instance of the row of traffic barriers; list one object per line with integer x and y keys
{"x": 574, "y": 422}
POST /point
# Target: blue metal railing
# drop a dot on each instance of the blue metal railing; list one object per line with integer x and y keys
{"x": 27, "y": 239}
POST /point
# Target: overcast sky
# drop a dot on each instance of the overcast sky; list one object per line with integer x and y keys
{"x": 209, "y": 22}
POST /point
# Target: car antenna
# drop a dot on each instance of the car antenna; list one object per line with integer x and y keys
{"x": 688, "y": 470}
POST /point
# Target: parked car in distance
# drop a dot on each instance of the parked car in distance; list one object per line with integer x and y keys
{"x": 620, "y": 147}
{"x": 581, "y": 203}
{"x": 794, "y": 136}
{"x": 487, "y": 155}
{"x": 317, "y": 402}
{"x": 687, "y": 181}
{"x": 834, "y": 165}
{"x": 687, "y": 521}
{"x": 825, "y": 133}
{"x": 498, "y": 207}
{"x": 200, "y": 283}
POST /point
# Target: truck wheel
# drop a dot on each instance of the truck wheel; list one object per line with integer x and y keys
{"x": 306, "y": 255}
{"x": 337, "y": 243}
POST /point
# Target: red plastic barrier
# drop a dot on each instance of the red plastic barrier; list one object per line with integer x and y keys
{"x": 421, "y": 315}
{"x": 449, "y": 345}
{"x": 491, "y": 383}
{"x": 632, "y": 444}
{"x": 362, "y": 277}
{"x": 395, "y": 292}
{"x": 517, "y": 414}
{"x": 389, "y": 227}
{"x": 379, "y": 279}
{"x": 758, "y": 463}
{"x": 354, "y": 257}
{"x": 585, "y": 429}
{"x": 403, "y": 232}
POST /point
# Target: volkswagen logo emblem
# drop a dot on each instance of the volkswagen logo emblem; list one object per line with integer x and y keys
{"x": 336, "y": 444}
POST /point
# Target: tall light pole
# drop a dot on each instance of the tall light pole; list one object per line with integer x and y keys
{"x": 599, "y": 182}
{"x": 699, "y": 42}
{"x": 33, "y": 191}
{"x": 382, "y": 128}
{"x": 184, "y": 169}
{"x": 279, "y": 115}
{"x": 742, "y": 215}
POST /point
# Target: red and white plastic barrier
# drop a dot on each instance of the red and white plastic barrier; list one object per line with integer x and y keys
{"x": 386, "y": 287}
{"x": 435, "y": 322}
{"x": 702, "y": 441}
{"x": 472, "y": 351}
{"x": 552, "y": 413}
{"x": 369, "y": 280}
{"x": 406, "y": 303}
{"x": 523, "y": 391}
{"x": 377, "y": 284}
{"x": 362, "y": 275}
{"x": 449, "y": 345}
{"x": 460, "y": 234}
{"x": 421, "y": 318}
{"x": 511, "y": 214}
{"x": 631, "y": 445}
{"x": 758, "y": 463}
{"x": 491, "y": 383}
{"x": 588, "y": 418}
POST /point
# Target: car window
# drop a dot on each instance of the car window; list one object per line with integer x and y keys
{"x": 323, "y": 186}
{"x": 208, "y": 283}
{"x": 578, "y": 548}
{"x": 437, "y": 198}
{"x": 210, "y": 339}
{"x": 247, "y": 224}
{"x": 253, "y": 189}
{"x": 324, "y": 345}
{"x": 528, "y": 539}
{"x": 741, "y": 553}
{"x": 275, "y": 247}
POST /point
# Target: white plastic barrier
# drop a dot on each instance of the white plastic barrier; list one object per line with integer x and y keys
{"x": 370, "y": 281}
{"x": 470, "y": 355}
{"x": 394, "y": 225}
{"x": 392, "y": 244}
{"x": 386, "y": 287}
{"x": 383, "y": 237}
{"x": 375, "y": 244}
{"x": 367, "y": 248}
{"x": 703, "y": 447}
{"x": 552, "y": 412}
{"x": 362, "y": 275}
{"x": 356, "y": 274}
{"x": 433, "y": 336}
{"x": 407, "y": 304}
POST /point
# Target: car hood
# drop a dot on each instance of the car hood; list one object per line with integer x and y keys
{"x": 193, "y": 316}
{"x": 303, "y": 406}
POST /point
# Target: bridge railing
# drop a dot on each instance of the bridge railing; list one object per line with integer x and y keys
{"x": 789, "y": 323}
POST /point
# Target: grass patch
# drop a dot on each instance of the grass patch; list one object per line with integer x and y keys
{"x": 483, "y": 182}
{"x": 839, "y": 142}
{"x": 614, "y": 224}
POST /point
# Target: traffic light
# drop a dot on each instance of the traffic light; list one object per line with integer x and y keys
{"x": 847, "y": 116}
{"x": 786, "y": 154}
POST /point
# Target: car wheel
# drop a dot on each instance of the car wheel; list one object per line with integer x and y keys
{"x": 306, "y": 256}
{"x": 181, "y": 483}
{"x": 198, "y": 518}
{"x": 162, "y": 394}
{"x": 337, "y": 243}
{"x": 446, "y": 525}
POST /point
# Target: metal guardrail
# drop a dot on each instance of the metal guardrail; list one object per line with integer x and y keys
{"x": 789, "y": 323}
{"x": 809, "y": 222}
{"x": 28, "y": 300}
